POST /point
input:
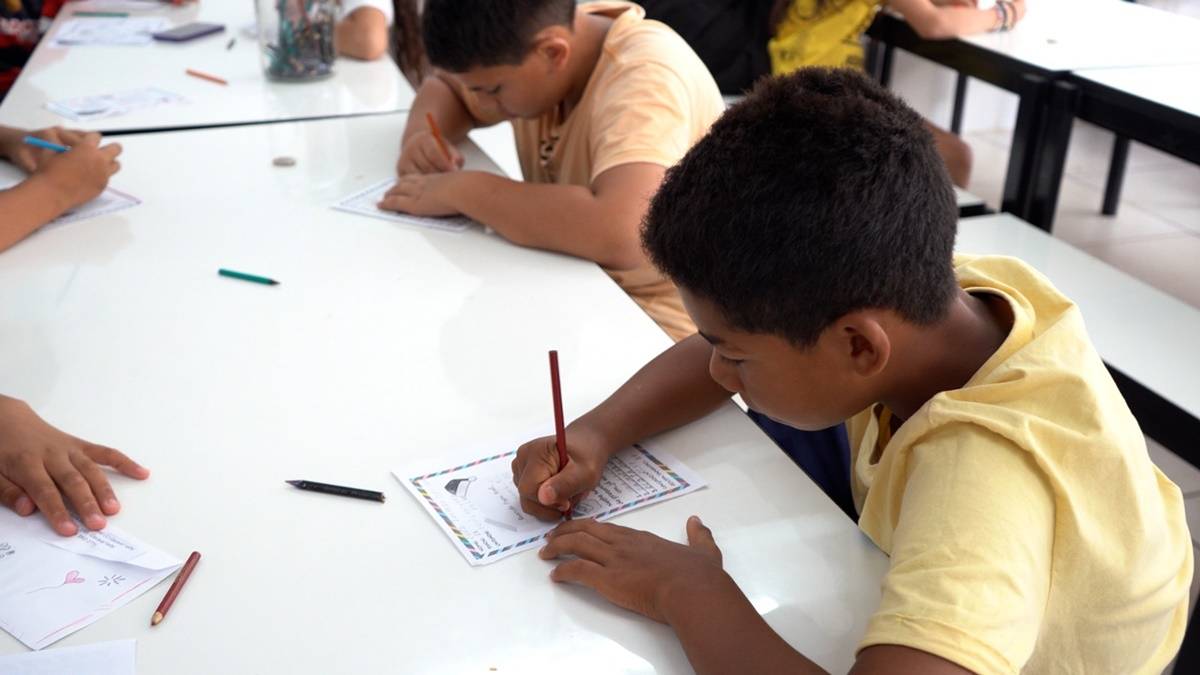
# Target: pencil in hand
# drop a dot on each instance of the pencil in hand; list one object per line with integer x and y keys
{"x": 437, "y": 136}
{"x": 560, "y": 431}
{"x": 173, "y": 591}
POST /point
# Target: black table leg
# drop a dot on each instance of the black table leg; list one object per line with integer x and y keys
{"x": 1022, "y": 157}
{"x": 1061, "y": 104}
{"x": 960, "y": 99}
{"x": 1116, "y": 175}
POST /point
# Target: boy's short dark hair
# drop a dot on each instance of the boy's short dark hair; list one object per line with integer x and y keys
{"x": 819, "y": 194}
{"x": 464, "y": 34}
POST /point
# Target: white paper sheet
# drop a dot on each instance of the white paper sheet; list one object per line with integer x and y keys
{"x": 363, "y": 203}
{"x": 118, "y": 657}
{"x": 109, "y": 201}
{"x": 109, "y": 31}
{"x": 52, "y": 586}
{"x": 85, "y": 108}
{"x": 477, "y": 505}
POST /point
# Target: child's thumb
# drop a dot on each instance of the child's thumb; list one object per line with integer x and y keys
{"x": 701, "y": 538}
{"x": 558, "y": 490}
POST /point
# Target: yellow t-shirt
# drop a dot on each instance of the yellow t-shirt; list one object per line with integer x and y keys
{"x": 821, "y": 33}
{"x": 648, "y": 100}
{"x": 1027, "y": 527}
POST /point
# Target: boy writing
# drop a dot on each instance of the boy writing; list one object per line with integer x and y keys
{"x": 993, "y": 458}
{"x": 602, "y": 101}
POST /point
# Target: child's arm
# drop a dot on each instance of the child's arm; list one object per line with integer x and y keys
{"x": 673, "y": 389}
{"x": 59, "y": 183}
{"x": 419, "y": 152}
{"x": 600, "y": 223}
{"x": 363, "y": 34}
{"x": 40, "y": 464}
{"x": 934, "y": 22}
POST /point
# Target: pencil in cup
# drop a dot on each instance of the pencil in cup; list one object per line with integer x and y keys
{"x": 173, "y": 591}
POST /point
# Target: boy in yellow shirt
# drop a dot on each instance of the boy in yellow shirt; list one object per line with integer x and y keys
{"x": 602, "y": 102}
{"x": 811, "y": 236}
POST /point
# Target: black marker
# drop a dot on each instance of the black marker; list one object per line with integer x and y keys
{"x": 339, "y": 490}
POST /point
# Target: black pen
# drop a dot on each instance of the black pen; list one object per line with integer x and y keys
{"x": 339, "y": 490}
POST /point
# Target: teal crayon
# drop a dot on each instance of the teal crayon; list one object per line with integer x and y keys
{"x": 39, "y": 143}
{"x": 112, "y": 15}
{"x": 247, "y": 277}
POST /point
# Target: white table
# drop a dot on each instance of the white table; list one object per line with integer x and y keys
{"x": 1147, "y": 334}
{"x": 1063, "y": 35}
{"x": 968, "y": 203}
{"x": 383, "y": 346}
{"x": 57, "y": 73}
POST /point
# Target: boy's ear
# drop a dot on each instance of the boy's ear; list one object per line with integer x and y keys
{"x": 554, "y": 47}
{"x": 864, "y": 342}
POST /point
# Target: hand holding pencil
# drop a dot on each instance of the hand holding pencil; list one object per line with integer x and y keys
{"x": 551, "y": 485}
{"x": 428, "y": 151}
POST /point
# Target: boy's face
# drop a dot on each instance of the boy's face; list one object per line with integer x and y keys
{"x": 527, "y": 90}
{"x": 808, "y": 388}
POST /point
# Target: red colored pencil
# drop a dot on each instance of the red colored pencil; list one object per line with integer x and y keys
{"x": 205, "y": 76}
{"x": 173, "y": 591}
{"x": 560, "y": 431}
{"x": 437, "y": 135}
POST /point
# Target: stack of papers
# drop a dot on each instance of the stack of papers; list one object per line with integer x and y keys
{"x": 52, "y": 586}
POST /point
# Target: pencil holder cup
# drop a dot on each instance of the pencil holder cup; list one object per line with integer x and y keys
{"x": 295, "y": 38}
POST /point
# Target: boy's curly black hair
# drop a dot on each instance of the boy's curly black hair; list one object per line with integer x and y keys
{"x": 463, "y": 34}
{"x": 819, "y": 194}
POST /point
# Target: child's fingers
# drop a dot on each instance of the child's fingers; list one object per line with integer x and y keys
{"x": 579, "y": 544}
{"x": 15, "y": 498}
{"x": 78, "y": 490}
{"x": 116, "y": 459}
{"x": 111, "y": 151}
{"x": 560, "y": 488}
{"x": 95, "y": 477}
{"x": 44, "y": 493}
{"x": 579, "y": 571}
{"x": 606, "y": 532}
{"x": 113, "y": 167}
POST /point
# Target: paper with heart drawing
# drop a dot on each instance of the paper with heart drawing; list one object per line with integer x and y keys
{"x": 477, "y": 505}
{"x": 52, "y": 586}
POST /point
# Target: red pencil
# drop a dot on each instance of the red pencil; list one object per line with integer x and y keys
{"x": 560, "y": 431}
{"x": 437, "y": 135}
{"x": 173, "y": 591}
{"x": 205, "y": 76}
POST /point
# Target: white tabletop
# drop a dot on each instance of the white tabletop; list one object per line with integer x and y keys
{"x": 1132, "y": 324}
{"x": 56, "y": 73}
{"x": 1062, "y": 35}
{"x": 1171, "y": 86}
{"x": 385, "y": 345}
{"x": 962, "y": 198}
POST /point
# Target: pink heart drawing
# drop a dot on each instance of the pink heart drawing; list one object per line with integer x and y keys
{"x": 73, "y": 578}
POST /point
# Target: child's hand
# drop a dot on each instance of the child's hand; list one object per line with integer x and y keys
{"x": 30, "y": 158}
{"x": 422, "y": 154}
{"x": 39, "y": 464}
{"x": 634, "y": 569}
{"x": 1019, "y": 7}
{"x": 421, "y": 195}
{"x": 546, "y": 493}
{"x": 80, "y": 174}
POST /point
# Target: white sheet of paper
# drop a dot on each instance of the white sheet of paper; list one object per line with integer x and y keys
{"x": 118, "y": 657}
{"x": 52, "y": 586}
{"x": 109, "y": 31}
{"x": 109, "y": 201}
{"x": 363, "y": 203}
{"x": 477, "y": 505}
{"x": 85, "y": 108}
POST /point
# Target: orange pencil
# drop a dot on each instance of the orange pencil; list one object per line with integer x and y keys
{"x": 205, "y": 76}
{"x": 437, "y": 136}
{"x": 173, "y": 591}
